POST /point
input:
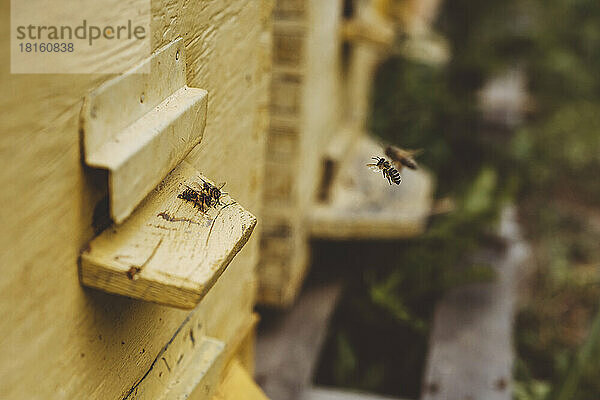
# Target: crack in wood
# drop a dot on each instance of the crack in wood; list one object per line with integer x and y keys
{"x": 134, "y": 389}
{"x": 135, "y": 269}
{"x": 166, "y": 363}
{"x": 215, "y": 219}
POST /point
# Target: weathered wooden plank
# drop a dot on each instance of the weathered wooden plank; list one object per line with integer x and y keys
{"x": 200, "y": 375}
{"x": 287, "y": 350}
{"x": 317, "y": 393}
{"x": 139, "y": 126}
{"x": 169, "y": 251}
{"x": 471, "y": 350}
{"x": 185, "y": 365}
{"x": 191, "y": 364}
{"x": 363, "y": 205}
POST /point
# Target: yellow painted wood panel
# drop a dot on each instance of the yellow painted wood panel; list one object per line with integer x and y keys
{"x": 238, "y": 384}
{"x": 59, "y": 340}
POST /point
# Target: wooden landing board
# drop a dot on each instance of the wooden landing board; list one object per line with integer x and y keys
{"x": 470, "y": 352}
{"x": 362, "y": 205}
{"x": 168, "y": 251}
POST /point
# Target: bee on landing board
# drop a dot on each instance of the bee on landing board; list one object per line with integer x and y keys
{"x": 388, "y": 171}
{"x": 213, "y": 192}
{"x": 199, "y": 198}
{"x": 205, "y": 195}
{"x": 403, "y": 158}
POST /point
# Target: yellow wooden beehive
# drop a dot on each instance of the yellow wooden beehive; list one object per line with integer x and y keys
{"x": 62, "y": 340}
{"x": 318, "y": 144}
{"x": 103, "y": 261}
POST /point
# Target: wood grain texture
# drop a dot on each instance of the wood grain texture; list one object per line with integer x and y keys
{"x": 59, "y": 340}
{"x": 180, "y": 369}
{"x": 363, "y": 205}
{"x": 191, "y": 365}
{"x": 169, "y": 251}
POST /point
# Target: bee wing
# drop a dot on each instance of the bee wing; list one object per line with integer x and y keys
{"x": 397, "y": 153}
{"x": 416, "y": 152}
{"x": 397, "y": 164}
{"x": 373, "y": 167}
{"x": 392, "y": 152}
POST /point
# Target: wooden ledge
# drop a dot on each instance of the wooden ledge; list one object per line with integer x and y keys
{"x": 140, "y": 125}
{"x": 362, "y": 205}
{"x": 168, "y": 251}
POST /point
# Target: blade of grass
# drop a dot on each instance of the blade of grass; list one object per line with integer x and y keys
{"x": 569, "y": 386}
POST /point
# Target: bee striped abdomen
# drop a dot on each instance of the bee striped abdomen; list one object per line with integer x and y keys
{"x": 394, "y": 175}
{"x": 188, "y": 195}
{"x": 191, "y": 195}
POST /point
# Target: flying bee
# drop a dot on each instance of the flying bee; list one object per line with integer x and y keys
{"x": 402, "y": 158}
{"x": 388, "y": 171}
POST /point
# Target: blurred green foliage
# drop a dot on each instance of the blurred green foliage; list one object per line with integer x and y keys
{"x": 549, "y": 165}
